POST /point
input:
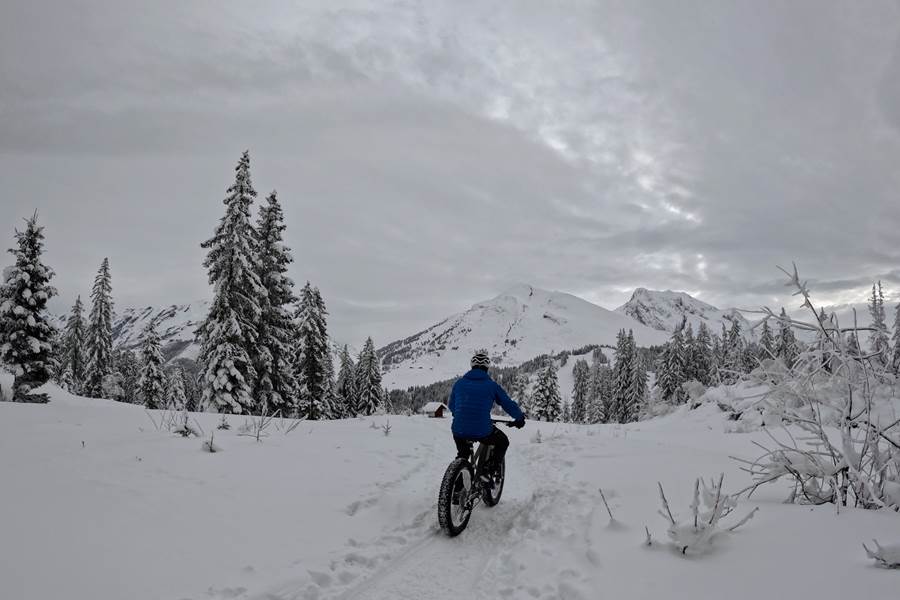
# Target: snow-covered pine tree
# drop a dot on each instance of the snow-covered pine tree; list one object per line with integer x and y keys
{"x": 581, "y": 391}
{"x": 176, "y": 397}
{"x": 636, "y": 394}
{"x": 702, "y": 356}
{"x": 600, "y": 403}
{"x": 620, "y": 380}
{"x": 824, "y": 344}
{"x": 368, "y": 380}
{"x": 276, "y": 386}
{"x": 73, "y": 347}
{"x": 895, "y": 360}
{"x": 734, "y": 354}
{"x": 345, "y": 387}
{"x": 767, "y": 345}
{"x": 519, "y": 391}
{"x": 229, "y": 333}
{"x": 546, "y": 403}
{"x": 672, "y": 369}
{"x": 99, "y": 338}
{"x": 878, "y": 337}
{"x": 152, "y": 383}
{"x": 312, "y": 354}
{"x": 689, "y": 342}
{"x": 852, "y": 345}
{"x": 26, "y": 335}
{"x": 128, "y": 367}
{"x": 786, "y": 347}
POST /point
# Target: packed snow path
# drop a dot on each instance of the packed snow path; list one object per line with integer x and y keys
{"x": 338, "y": 510}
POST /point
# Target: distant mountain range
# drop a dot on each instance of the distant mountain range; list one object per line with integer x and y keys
{"x": 666, "y": 310}
{"x": 519, "y": 324}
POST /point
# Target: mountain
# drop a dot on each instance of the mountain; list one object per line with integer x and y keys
{"x": 519, "y": 324}
{"x": 665, "y": 311}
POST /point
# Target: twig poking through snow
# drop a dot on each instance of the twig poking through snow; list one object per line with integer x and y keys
{"x": 886, "y": 556}
{"x": 649, "y": 540}
{"x": 606, "y": 504}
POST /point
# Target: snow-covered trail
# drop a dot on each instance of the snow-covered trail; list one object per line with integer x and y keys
{"x": 101, "y": 506}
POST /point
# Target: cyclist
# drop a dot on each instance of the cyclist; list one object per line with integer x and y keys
{"x": 471, "y": 401}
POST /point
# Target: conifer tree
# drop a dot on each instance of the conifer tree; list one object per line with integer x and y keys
{"x": 895, "y": 359}
{"x": 229, "y": 333}
{"x": 672, "y": 370}
{"x": 878, "y": 338}
{"x": 73, "y": 347}
{"x": 637, "y": 384}
{"x": 734, "y": 352}
{"x": 176, "y": 397}
{"x": 852, "y": 345}
{"x": 128, "y": 368}
{"x": 276, "y": 386}
{"x": 545, "y": 401}
{"x": 152, "y": 383}
{"x": 824, "y": 343}
{"x": 99, "y": 339}
{"x": 345, "y": 386}
{"x": 787, "y": 344}
{"x": 581, "y": 391}
{"x": 621, "y": 380}
{"x": 312, "y": 355}
{"x": 368, "y": 380}
{"x": 600, "y": 404}
{"x": 766, "y": 341}
{"x": 26, "y": 335}
{"x": 702, "y": 356}
{"x": 519, "y": 391}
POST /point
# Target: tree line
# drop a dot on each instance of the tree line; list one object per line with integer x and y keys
{"x": 264, "y": 349}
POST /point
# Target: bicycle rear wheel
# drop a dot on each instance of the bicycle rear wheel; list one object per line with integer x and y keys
{"x": 493, "y": 488}
{"x": 454, "y": 506}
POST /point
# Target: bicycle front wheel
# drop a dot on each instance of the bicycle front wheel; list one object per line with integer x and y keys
{"x": 454, "y": 506}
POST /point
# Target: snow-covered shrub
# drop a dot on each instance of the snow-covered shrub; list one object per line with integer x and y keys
{"x": 886, "y": 556}
{"x": 709, "y": 506}
{"x": 386, "y": 428}
{"x": 850, "y": 450}
{"x": 223, "y": 424}
{"x": 184, "y": 427}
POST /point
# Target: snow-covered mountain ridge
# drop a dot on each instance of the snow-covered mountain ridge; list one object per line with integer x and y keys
{"x": 519, "y": 324}
{"x": 665, "y": 311}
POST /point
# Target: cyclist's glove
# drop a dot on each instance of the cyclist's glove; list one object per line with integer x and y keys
{"x": 519, "y": 423}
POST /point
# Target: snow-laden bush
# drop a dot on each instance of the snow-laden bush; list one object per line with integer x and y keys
{"x": 849, "y": 450}
{"x": 709, "y": 506}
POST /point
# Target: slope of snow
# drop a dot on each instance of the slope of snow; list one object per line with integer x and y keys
{"x": 517, "y": 325}
{"x": 101, "y": 506}
{"x": 665, "y": 310}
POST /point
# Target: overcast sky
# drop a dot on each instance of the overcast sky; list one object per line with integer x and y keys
{"x": 430, "y": 154}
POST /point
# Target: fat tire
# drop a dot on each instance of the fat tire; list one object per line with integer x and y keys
{"x": 445, "y": 497}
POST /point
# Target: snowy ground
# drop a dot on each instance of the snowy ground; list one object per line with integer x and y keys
{"x": 99, "y": 505}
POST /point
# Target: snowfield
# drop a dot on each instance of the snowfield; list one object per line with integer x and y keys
{"x": 99, "y": 505}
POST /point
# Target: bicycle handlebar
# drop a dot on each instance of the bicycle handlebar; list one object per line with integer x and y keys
{"x": 507, "y": 421}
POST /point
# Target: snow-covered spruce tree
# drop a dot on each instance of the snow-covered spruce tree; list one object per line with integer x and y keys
{"x": 786, "y": 348}
{"x": 128, "y": 368}
{"x": 581, "y": 391}
{"x": 702, "y": 362}
{"x": 176, "y": 398}
{"x": 26, "y": 334}
{"x": 672, "y": 370}
{"x": 312, "y": 354}
{"x": 601, "y": 393}
{"x": 73, "y": 355}
{"x": 229, "y": 334}
{"x": 878, "y": 337}
{"x": 276, "y": 384}
{"x": 767, "y": 345}
{"x": 152, "y": 384}
{"x": 368, "y": 380}
{"x": 620, "y": 378}
{"x": 519, "y": 392}
{"x": 895, "y": 356}
{"x": 636, "y": 396}
{"x": 345, "y": 387}
{"x": 99, "y": 338}
{"x": 734, "y": 353}
{"x": 546, "y": 404}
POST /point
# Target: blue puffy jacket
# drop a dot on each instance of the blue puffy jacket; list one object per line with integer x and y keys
{"x": 471, "y": 401}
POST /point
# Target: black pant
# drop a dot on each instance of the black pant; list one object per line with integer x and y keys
{"x": 495, "y": 438}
